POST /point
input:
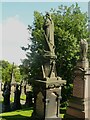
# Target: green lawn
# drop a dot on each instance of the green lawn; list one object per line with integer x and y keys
{"x": 17, "y": 115}
{"x": 23, "y": 114}
{"x": 62, "y": 112}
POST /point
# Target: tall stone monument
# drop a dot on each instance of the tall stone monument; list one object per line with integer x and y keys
{"x": 47, "y": 90}
{"x": 79, "y": 105}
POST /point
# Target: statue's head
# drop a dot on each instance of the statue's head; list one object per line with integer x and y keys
{"x": 48, "y": 14}
{"x": 83, "y": 40}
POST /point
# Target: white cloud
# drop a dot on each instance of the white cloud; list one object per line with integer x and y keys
{"x": 14, "y": 36}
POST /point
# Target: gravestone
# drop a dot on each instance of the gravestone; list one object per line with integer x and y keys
{"x": 17, "y": 93}
{"x": 29, "y": 96}
{"x": 6, "y": 96}
{"x": 47, "y": 90}
{"x": 79, "y": 105}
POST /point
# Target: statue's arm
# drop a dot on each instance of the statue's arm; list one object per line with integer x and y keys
{"x": 47, "y": 23}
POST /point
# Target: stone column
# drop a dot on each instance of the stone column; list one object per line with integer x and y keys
{"x": 79, "y": 105}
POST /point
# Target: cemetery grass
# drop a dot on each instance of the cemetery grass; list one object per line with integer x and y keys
{"x": 62, "y": 112}
{"x": 22, "y": 114}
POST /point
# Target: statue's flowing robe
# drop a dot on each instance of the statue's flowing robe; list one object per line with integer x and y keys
{"x": 49, "y": 31}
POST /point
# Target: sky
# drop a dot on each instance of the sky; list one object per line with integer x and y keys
{"x": 14, "y": 20}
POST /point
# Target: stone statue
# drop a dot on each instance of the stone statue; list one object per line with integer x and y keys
{"x": 47, "y": 89}
{"x": 84, "y": 49}
{"x": 49, "y": 33}
{"x": 48, "y": 68}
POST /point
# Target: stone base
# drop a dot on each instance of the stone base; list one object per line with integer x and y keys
{"x": 75, "y": 113}
{"x": 76, "y": 108}
{"x": 69, "y": 117}
{"x": 79, "y": 104}
{"x": 47, "y": 94}
{"x": 38, "y": 118}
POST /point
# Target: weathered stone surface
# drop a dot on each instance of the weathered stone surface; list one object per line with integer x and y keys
{"x": 78, "y": 89}
{"x": 79, "y": 105}
{"x": 84, "y": 49}
{"x": 76, "y": 113}
{"x": 47, "y": 99}
{"x": 40, "y": 104}
{"x": 47, "y": 90}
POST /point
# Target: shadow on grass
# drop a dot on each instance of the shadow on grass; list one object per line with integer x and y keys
{"x": 30, "y": 108}
{"x": 15, "y": 117}
{"x": 22, "y": 114}
{"x": 63, "y": 111}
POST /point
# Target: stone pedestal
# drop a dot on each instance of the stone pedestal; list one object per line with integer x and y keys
{"x": 47, "y": 94}
{"x": 79, "y": 105}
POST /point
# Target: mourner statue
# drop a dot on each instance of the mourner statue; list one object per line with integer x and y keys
{"x": 48, "y": 68}
{"x": 49, "y": 33}
{"x": 84, "y": 48}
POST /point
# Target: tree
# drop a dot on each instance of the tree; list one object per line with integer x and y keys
{"x": 89, "y": 49}
{"x": 7, "y": 69}
{"x": 70, "y": 27}
{"x": 24, "y": 70}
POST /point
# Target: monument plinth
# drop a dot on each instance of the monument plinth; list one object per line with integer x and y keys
{"x": 79, "y": 105}
{"x": 47, "y": 90}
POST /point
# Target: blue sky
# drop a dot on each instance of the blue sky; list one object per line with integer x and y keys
{"x": 14, "y": 21}
{"x": 25, "y": 9}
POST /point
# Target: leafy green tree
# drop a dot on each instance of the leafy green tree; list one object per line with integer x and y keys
{"x": 70, "y": 26}
{"x": 89, "y": 49}
{"x": 7, "y": 69}
{"x": 17, "y": 74}
{"x": 24, "y": 70}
